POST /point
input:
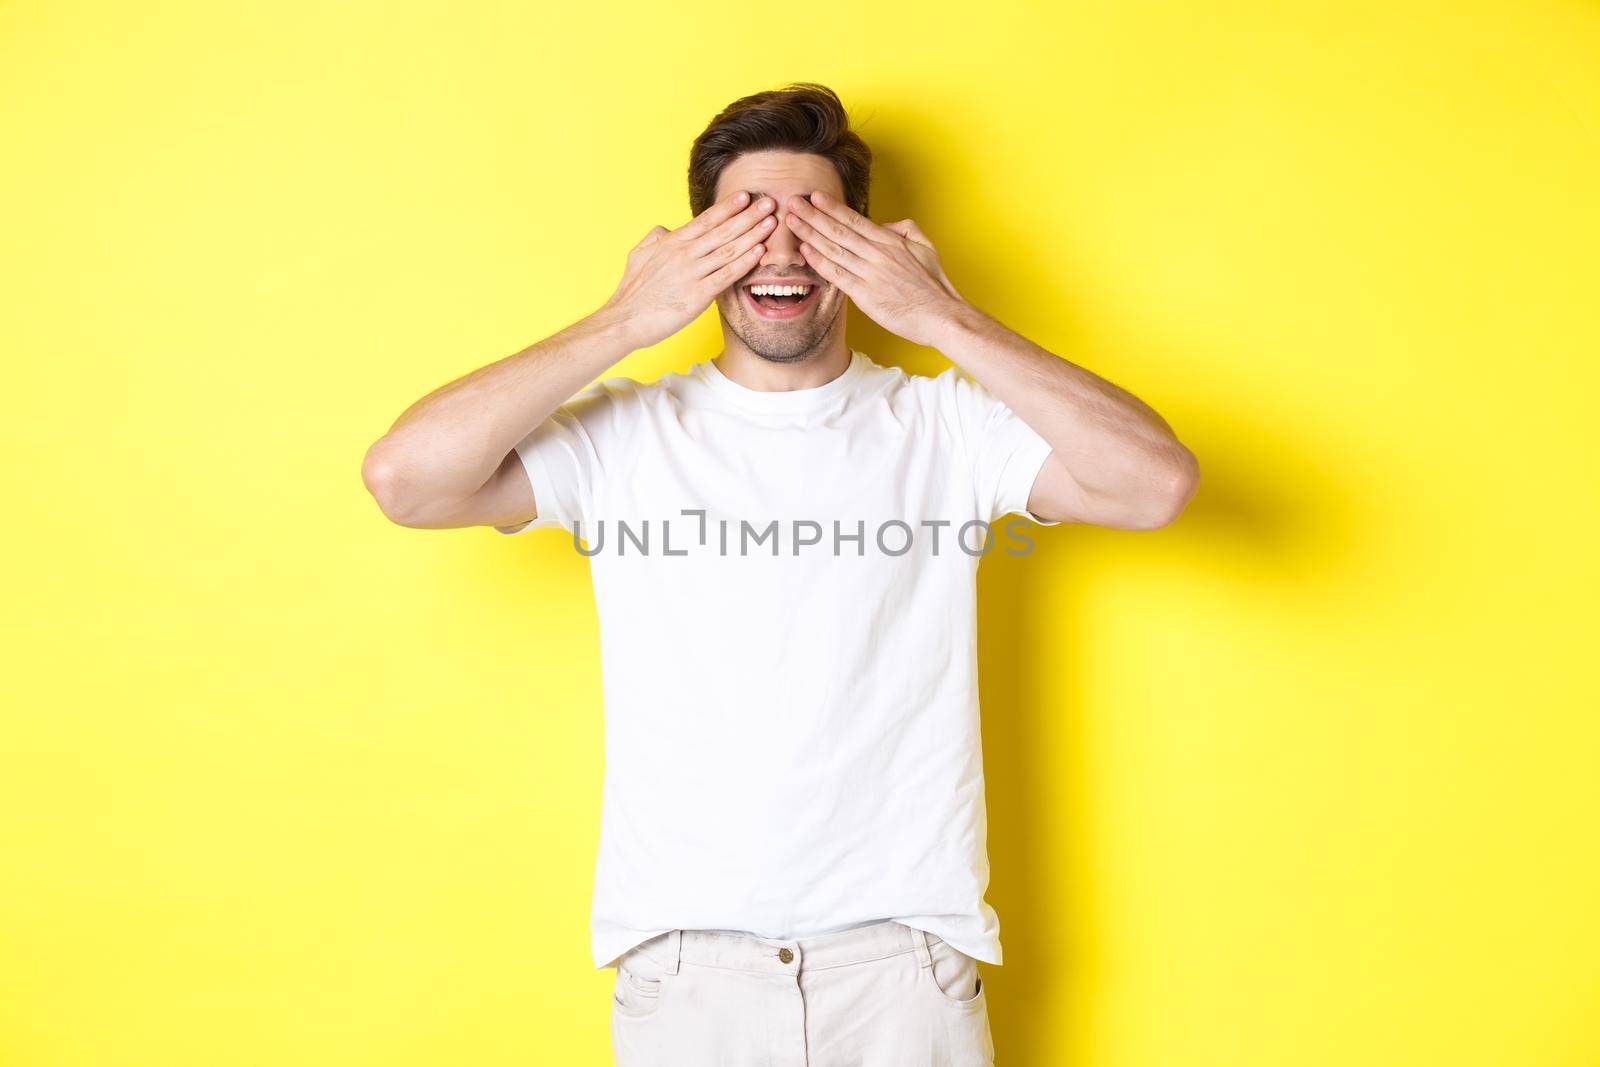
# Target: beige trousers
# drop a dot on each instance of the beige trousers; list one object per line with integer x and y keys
{"x": 884, "y": 995}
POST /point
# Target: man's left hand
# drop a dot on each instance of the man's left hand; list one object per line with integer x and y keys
{"x": 892, "y": 273}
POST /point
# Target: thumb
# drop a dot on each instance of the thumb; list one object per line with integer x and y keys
{"x": 910, "y": 231}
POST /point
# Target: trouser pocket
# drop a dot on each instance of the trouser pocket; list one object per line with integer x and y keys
{"x": 639, "y": 983}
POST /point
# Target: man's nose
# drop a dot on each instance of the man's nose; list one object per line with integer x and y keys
{"x": 783, "y": 244}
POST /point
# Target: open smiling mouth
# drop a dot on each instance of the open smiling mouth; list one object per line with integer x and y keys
{"x": 779, "y": 301}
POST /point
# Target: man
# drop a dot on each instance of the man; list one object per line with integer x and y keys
{"x": 784, "y": 544}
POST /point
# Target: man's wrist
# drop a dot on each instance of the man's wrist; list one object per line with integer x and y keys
{"x": 610, "y": 328}
{"x": 959, "y": 327}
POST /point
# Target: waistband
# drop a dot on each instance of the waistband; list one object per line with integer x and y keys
{"x": 771, "y": 955}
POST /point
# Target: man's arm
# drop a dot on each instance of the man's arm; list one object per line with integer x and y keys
{"x": 449, "y": 460}
{"x": 1113, "y": 461}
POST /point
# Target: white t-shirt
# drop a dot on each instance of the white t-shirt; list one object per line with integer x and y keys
{"x": 788, "y": 642}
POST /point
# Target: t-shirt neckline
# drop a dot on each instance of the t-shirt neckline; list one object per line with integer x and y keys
{"x": 786, "y": 401}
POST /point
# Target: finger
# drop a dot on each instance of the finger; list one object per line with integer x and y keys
{"x": 734, "y": 269}
{"x": 719, "y": 212}
{"x": 759, "y": 217}
{"x": 830, "y": 269}
{"x": 827, "y": 245}
{"x": 728, "y": 251}
{"x": 844, "y": 214}
{"x": 825, "y": 225}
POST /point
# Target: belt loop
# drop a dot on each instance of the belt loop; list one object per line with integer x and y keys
{"x": 919, "y": 941}
{"x": 673, "y": 950}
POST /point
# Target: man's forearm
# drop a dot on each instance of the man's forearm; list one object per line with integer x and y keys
{"x": 1112, "y": 443}
{"x": 449, "y": 443}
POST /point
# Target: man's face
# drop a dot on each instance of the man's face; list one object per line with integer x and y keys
{"x": 782, "y": 330}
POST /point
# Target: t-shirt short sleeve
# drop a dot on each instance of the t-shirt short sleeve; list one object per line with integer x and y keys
{"x": 1005, "y": 454}
{"x": 567, "y": 455}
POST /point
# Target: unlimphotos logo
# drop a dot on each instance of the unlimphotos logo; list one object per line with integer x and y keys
{"x": 694, "y": 532}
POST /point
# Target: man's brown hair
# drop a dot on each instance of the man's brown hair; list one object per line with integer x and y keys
{"x": 800, "y": 117}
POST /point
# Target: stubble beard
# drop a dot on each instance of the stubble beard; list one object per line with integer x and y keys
{"x": 779, "y": 342}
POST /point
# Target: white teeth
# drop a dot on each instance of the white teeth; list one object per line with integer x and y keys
{"x": 779, "y": 290}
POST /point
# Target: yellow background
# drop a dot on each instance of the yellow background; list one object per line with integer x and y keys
{"x": 1306, "y": 779}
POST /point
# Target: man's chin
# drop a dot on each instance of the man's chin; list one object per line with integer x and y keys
{"x": 783, "y": 341}
{"x": 784, "y": 357}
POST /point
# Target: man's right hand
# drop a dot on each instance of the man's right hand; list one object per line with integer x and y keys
{"x": 448, "y": 460}
{"x": 673, "y": 275}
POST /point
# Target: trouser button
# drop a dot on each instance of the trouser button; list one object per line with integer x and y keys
{"x": 785, "y": 955}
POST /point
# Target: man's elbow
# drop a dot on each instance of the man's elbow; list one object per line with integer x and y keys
{"x": 381, "y": 476}
{"x": 1179, "y": 481}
